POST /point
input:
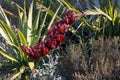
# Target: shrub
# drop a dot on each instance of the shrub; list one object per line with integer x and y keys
{"x": 103, "y": 64}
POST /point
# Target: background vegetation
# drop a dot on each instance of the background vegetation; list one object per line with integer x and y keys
{"x": 91, "y": 50}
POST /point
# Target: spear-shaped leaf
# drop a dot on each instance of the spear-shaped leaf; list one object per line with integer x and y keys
{"x": 8, "y": 30}
{"x": 4, "y": 17}
{"x": 22, "y": 38}
{"x": 50, "y": 12}
{"x": 8, "y": 56}
{"x": 29, "y": 31}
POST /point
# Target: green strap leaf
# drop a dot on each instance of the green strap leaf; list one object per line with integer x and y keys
{"x": 8, "y": 30}
{"x": 29, "y": 30}
{"x": 41, "y": 27}
{"x": 22, "y": 69}
{"x": 8, "y": 56}
{"x": 10, "y": 13}
{"x": 36, "y": 21}
{"x": 68, "y": 5}
{"x": 4, "y": 34}
{"x": 19, "y": 7}
{"x": 50, "y": 12}
{"x": 4, "y": 17}
{"x": 22, "y": 38}
{"x": 15, "y": 76}
{"x": 35, "y": 28}
{"x": 18, "y": 49}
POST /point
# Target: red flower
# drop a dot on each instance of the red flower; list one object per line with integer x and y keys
{"x": 43, "y": 50}
{"x": 57, "y": 29}
{"x": 25, "y": 50}
{"x": 34, "y": 53}
{"x": 31, "y": 51}
{"x": 51, "y": 31}
{"x": 51, "y": 44}
{"x": 62, "y": 28}
{"x": 69, "y": 18}
{"x": 60, "y": 39}
{"x": 66, "y": 20}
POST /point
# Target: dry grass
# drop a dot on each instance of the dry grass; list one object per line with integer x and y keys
{"x": 103, "y": 64}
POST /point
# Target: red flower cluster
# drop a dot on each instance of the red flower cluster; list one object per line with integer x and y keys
{"x": 57, "y": 33}
{"x": 56, "y": 36}
{"x": 36, "y": 51}
{"x": 69, "y": 18}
